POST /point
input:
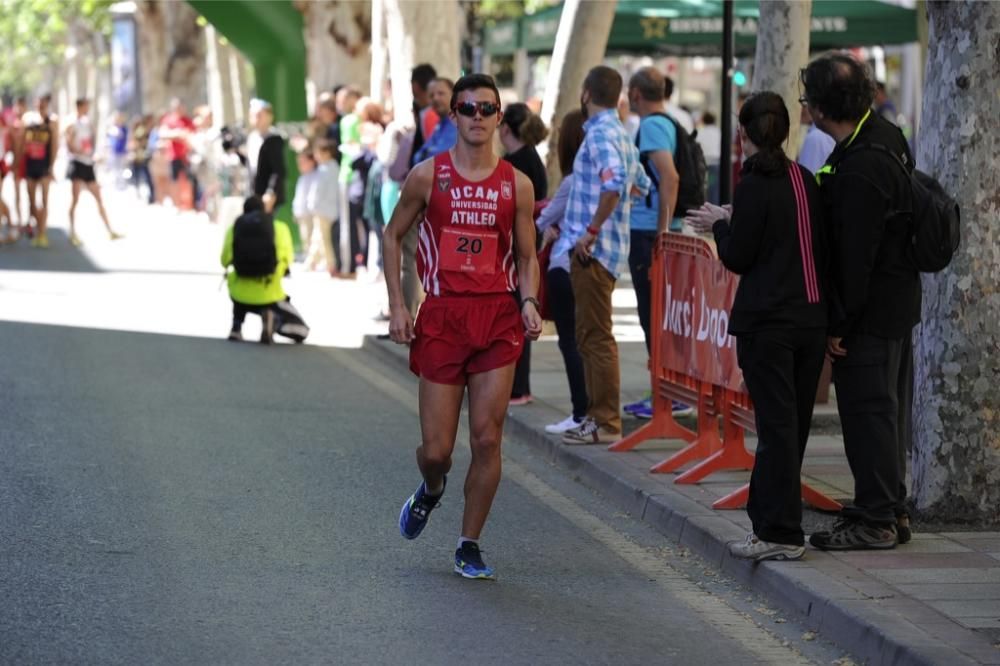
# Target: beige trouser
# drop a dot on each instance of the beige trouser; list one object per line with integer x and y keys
{"x": 305, "y": 223}
{"x": 322, "y": 247}
{"x": 592, "y": 288}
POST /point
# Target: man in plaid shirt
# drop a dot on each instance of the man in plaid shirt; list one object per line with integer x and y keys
{"x": 606, "y": 173}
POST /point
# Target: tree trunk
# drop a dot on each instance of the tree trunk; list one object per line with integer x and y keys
{"x": 337, "y": 34}
{"x": 380, "y": 56}
{"x": 956, "y": 455}
{"x": 171, "y": 54}
{"x": 782, "y": 50}
{"x": 152, "y": 41}
{"x": 582, "y": 38}
{"x": 186, "y": 76}
{"x": 418, "y": 35}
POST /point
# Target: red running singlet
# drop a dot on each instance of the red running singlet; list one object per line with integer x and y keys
{"x": 467, "y": 235}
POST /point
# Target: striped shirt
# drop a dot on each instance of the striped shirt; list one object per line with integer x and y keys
{"x": 608, "y": 161}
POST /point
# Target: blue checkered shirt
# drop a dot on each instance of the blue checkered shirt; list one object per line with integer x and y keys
{"x": 608, "y": 161}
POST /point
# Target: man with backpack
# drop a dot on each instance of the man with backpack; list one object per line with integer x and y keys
{"x": 260, "y": 251}
{"x": 866, "y": 185}
{"x": 669, "y": 155}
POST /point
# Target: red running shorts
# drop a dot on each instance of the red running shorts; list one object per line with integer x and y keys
{"x": 458, "y": 336}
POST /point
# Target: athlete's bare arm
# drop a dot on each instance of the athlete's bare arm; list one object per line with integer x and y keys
{"x": 71, "y": 138}
{"x": 527, "y": 260}
{"x": 412, "y": 202}
{"x": 54, "y": 143}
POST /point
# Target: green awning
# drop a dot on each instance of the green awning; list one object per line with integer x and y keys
{"x": 694, "y": 27}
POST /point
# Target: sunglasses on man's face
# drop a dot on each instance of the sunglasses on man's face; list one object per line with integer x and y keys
{"x": 468, "y": 109}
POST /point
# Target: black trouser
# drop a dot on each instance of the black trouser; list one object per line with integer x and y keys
{"x": 240, "y": 311}
{"x": 640, "y": 260}
{"x": 874, "y": 389}
{"x": 140, "y": 173}
{"x": 353, "y": 228}
{"x": 522, "y": 373}
{"x": 562, "y": 306}
{"x": 781, "y": 368}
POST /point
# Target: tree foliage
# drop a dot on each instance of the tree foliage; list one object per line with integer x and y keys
{"x": 35, "y": 35}
{"x": 491, "y": 11}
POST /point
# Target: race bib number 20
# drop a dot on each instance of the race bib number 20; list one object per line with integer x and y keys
{"x": 469, "y": 251}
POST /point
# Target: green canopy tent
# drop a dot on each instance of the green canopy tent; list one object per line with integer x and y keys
{"x": 694, "y": 27}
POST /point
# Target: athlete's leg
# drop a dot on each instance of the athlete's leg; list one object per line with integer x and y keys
{"x": 43, "y": 224}
{"x": 95, "y": 190}
{"x": 440, "y": 408}
{"x": 33, "y": 210}
{"x": 77, "y": 185}
{"x": 489, "y": 393}
{"x": 17, "y": 198}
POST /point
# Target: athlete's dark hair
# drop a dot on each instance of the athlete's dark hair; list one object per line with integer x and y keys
{"x": 80, "y": 101}
{"x": 570, "y": 140}
{"x": 524, "y": 124}
{"x": 422, "y": 75}
{"x": 20, "y": 99}
{"x": 45, "y": 97}
{"x": 840, "y": 86}
{"x": 473, "y": 82}
{"x": 604, "y": 85}
{"x": 764, "y": 119}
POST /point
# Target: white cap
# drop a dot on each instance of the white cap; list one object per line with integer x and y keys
{"x": 257, "y": 105}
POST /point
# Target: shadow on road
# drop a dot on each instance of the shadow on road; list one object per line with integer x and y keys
{"x": 60, "y": 256}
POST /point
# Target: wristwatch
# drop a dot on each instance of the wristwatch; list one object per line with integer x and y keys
{"x": 532, "y": 300}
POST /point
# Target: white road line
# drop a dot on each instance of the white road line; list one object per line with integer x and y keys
{"x": 730, "y": 623}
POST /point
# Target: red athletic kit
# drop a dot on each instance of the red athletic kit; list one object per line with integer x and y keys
{"x": 471, "y": 321}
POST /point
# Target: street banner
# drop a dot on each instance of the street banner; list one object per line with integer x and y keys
{"x": 698, "y": 294}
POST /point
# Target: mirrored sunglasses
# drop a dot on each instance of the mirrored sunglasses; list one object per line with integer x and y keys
{"x": 468, "y": 109}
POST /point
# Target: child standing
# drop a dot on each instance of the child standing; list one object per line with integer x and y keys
{"x": 326, "y": 200}
{"x": 302, "y": 204}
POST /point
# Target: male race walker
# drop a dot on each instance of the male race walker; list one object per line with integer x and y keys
{"x": 476, "y": 256}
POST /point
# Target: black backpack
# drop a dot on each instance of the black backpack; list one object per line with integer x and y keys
{"x": 254, "y": 253}
{"x": 692, "y": 168}
{"x": 935, "y": 218}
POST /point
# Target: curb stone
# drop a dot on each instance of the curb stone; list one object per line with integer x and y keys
{"x": 866, "y": 616}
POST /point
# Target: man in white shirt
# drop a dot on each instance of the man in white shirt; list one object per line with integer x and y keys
{"x": 680, "y": 115}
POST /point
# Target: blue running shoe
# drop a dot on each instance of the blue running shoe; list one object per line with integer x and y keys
{"x": 680, "y": 409}
{"x": 633, "y": 407}
{"x": 645, "y": 413}
{"x": 416, "y": 510}
{"x": 469, "y": 563}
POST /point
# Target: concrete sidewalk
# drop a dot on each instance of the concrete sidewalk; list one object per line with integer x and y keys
{"x": 935, "y": 600}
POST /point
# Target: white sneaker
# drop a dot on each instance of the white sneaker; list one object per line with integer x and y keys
{"x": 566, "y": 424}
{"x": 758, "y": 551}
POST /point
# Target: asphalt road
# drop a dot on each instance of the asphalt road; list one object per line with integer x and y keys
{"x": 167, "y": 498}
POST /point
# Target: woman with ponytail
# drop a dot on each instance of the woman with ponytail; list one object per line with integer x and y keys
{"x": 520, "y": 131}
{"x": 774, "y": 237}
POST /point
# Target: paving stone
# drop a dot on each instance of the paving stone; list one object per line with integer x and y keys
{"x": 984, "y": 608}
{"x": 938, "y": 575}
{"x": 903, "y": 558}
{"x": 952, "y": 591}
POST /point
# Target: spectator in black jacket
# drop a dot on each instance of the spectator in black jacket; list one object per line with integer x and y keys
{"x": 877, "y": 298}
{"x": 775, "y": 238}
{"x": 520, "y": 131}
{"x": 269, "y": 167}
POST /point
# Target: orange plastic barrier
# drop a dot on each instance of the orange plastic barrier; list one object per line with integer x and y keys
{"x": 713, "y": 399}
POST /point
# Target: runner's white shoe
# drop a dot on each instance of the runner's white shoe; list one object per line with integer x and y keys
{"x": 566, "y": 424}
